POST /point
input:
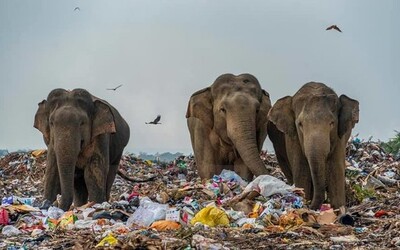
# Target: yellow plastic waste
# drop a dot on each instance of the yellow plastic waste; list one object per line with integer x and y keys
{"x": 109, "y": 240}
{"x": 253, "y": 215}
{"x": 290, "y": 219}
{"x": 162, "y": 225}
{"x": 38, "y": 152}
{"x": 211, "y": 216}
{"x": 67, "y": 219}
{"x": 52, "y": 223}
{"x": 22, "y": 208}
{"x": 148, "y": 163}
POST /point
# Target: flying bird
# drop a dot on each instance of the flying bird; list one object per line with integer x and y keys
{"x": 115, "y": 88}
{"x": 156, "y": 121}
{"x": 333, "y": 27}
{"x": 77, "y": 8}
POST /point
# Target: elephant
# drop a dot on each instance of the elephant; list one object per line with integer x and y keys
{"x": 85, "y": 138}
{"x": 227, "y": 122}
{"x": 309, "y": 132}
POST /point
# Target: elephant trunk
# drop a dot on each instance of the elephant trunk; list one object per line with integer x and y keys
{"x": 67, "y": 151}
{"x": 243, "y": 134}
{"x": 316, "y": 149}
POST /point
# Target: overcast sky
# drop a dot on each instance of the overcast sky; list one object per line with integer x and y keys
{"x": 163, "y": 51}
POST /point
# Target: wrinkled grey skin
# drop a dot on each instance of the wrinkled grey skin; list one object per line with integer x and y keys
{"x": 309, "y": 132}
{"x": 85, "y": 137}
{"x": 228, "y": 125}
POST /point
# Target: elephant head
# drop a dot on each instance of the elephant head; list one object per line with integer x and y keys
{"x": 234, "y": 112}
{"x": 317, "y": 124}
{"x": 69, "y": 122}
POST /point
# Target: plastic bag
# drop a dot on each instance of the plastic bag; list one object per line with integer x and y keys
{"x": 88, "y": 212}
{"x": 268, "y": 185}
{"x": 147, "y": 213}
{"x": 10, "y": 231}
{"x": 55, "y": 213}
{"x": 211, "y": 216}
{"x": 229, "y": 175}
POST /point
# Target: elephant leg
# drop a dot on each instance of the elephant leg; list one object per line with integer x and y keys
{"x": 95, "y": 178}
{"x": 336, "y": 177}
{"x": 51, "y": 178}
{"x": 242, "y": 170}
{"x": 285, "y": 167}
{"x": 80, "y": 189}
{"x": 202, "y": 148}
{"x": 278, "y": 141}
{"x": 96, "y": 173}
{"x": 302, "y": 177}
{"x": 300, "y": 167}
{"x": 112, "y": 172}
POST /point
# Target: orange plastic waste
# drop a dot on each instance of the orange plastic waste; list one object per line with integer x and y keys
{"x": 163, "y": 225}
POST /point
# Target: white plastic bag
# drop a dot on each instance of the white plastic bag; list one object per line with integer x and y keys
{"x": 228, "y": 175}
{"x": 10, "y": 231}
{"x": 147, "y": 213}
{"x": 268, "y": 185}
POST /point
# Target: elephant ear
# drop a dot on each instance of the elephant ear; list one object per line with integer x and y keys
{"x": 42, "y": 121}
{"x": 281, "y": 114}
{"x": 200, "y": 106}
{"x": 103, "y": 120}
{"x": 262, "y": 118}
{"x": 348, "y": 114}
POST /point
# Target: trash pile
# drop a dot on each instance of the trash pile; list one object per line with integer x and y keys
{"x": 370, "y": 171}
{"x": 157, "y": 205}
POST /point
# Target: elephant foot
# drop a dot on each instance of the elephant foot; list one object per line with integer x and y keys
{"x": 315, "y": 208}
{"x": 315, "y": 205}
{"x": 46, "y": 204}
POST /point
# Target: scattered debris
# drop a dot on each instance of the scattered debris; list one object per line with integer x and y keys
{"x": 157, "y": 205}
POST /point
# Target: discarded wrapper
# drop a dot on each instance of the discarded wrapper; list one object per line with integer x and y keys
{"x": 109, "y": 240}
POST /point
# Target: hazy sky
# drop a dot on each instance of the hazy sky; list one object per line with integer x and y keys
{"x": 163, "y": 51}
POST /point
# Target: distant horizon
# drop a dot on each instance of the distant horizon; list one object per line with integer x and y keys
{"x": 125, "y": 151}
{"x": 267, "y": 147}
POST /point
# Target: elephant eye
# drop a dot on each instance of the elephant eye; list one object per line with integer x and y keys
{"x": 222, "y": 110}
{"x": 332, "y": 124}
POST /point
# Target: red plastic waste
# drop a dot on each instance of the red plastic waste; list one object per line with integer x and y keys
{"x": 380, "y": 213}
{"x": 4, "y": 217}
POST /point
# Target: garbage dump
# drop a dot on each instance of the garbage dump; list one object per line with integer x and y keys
{"x": 157, "y": 205}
